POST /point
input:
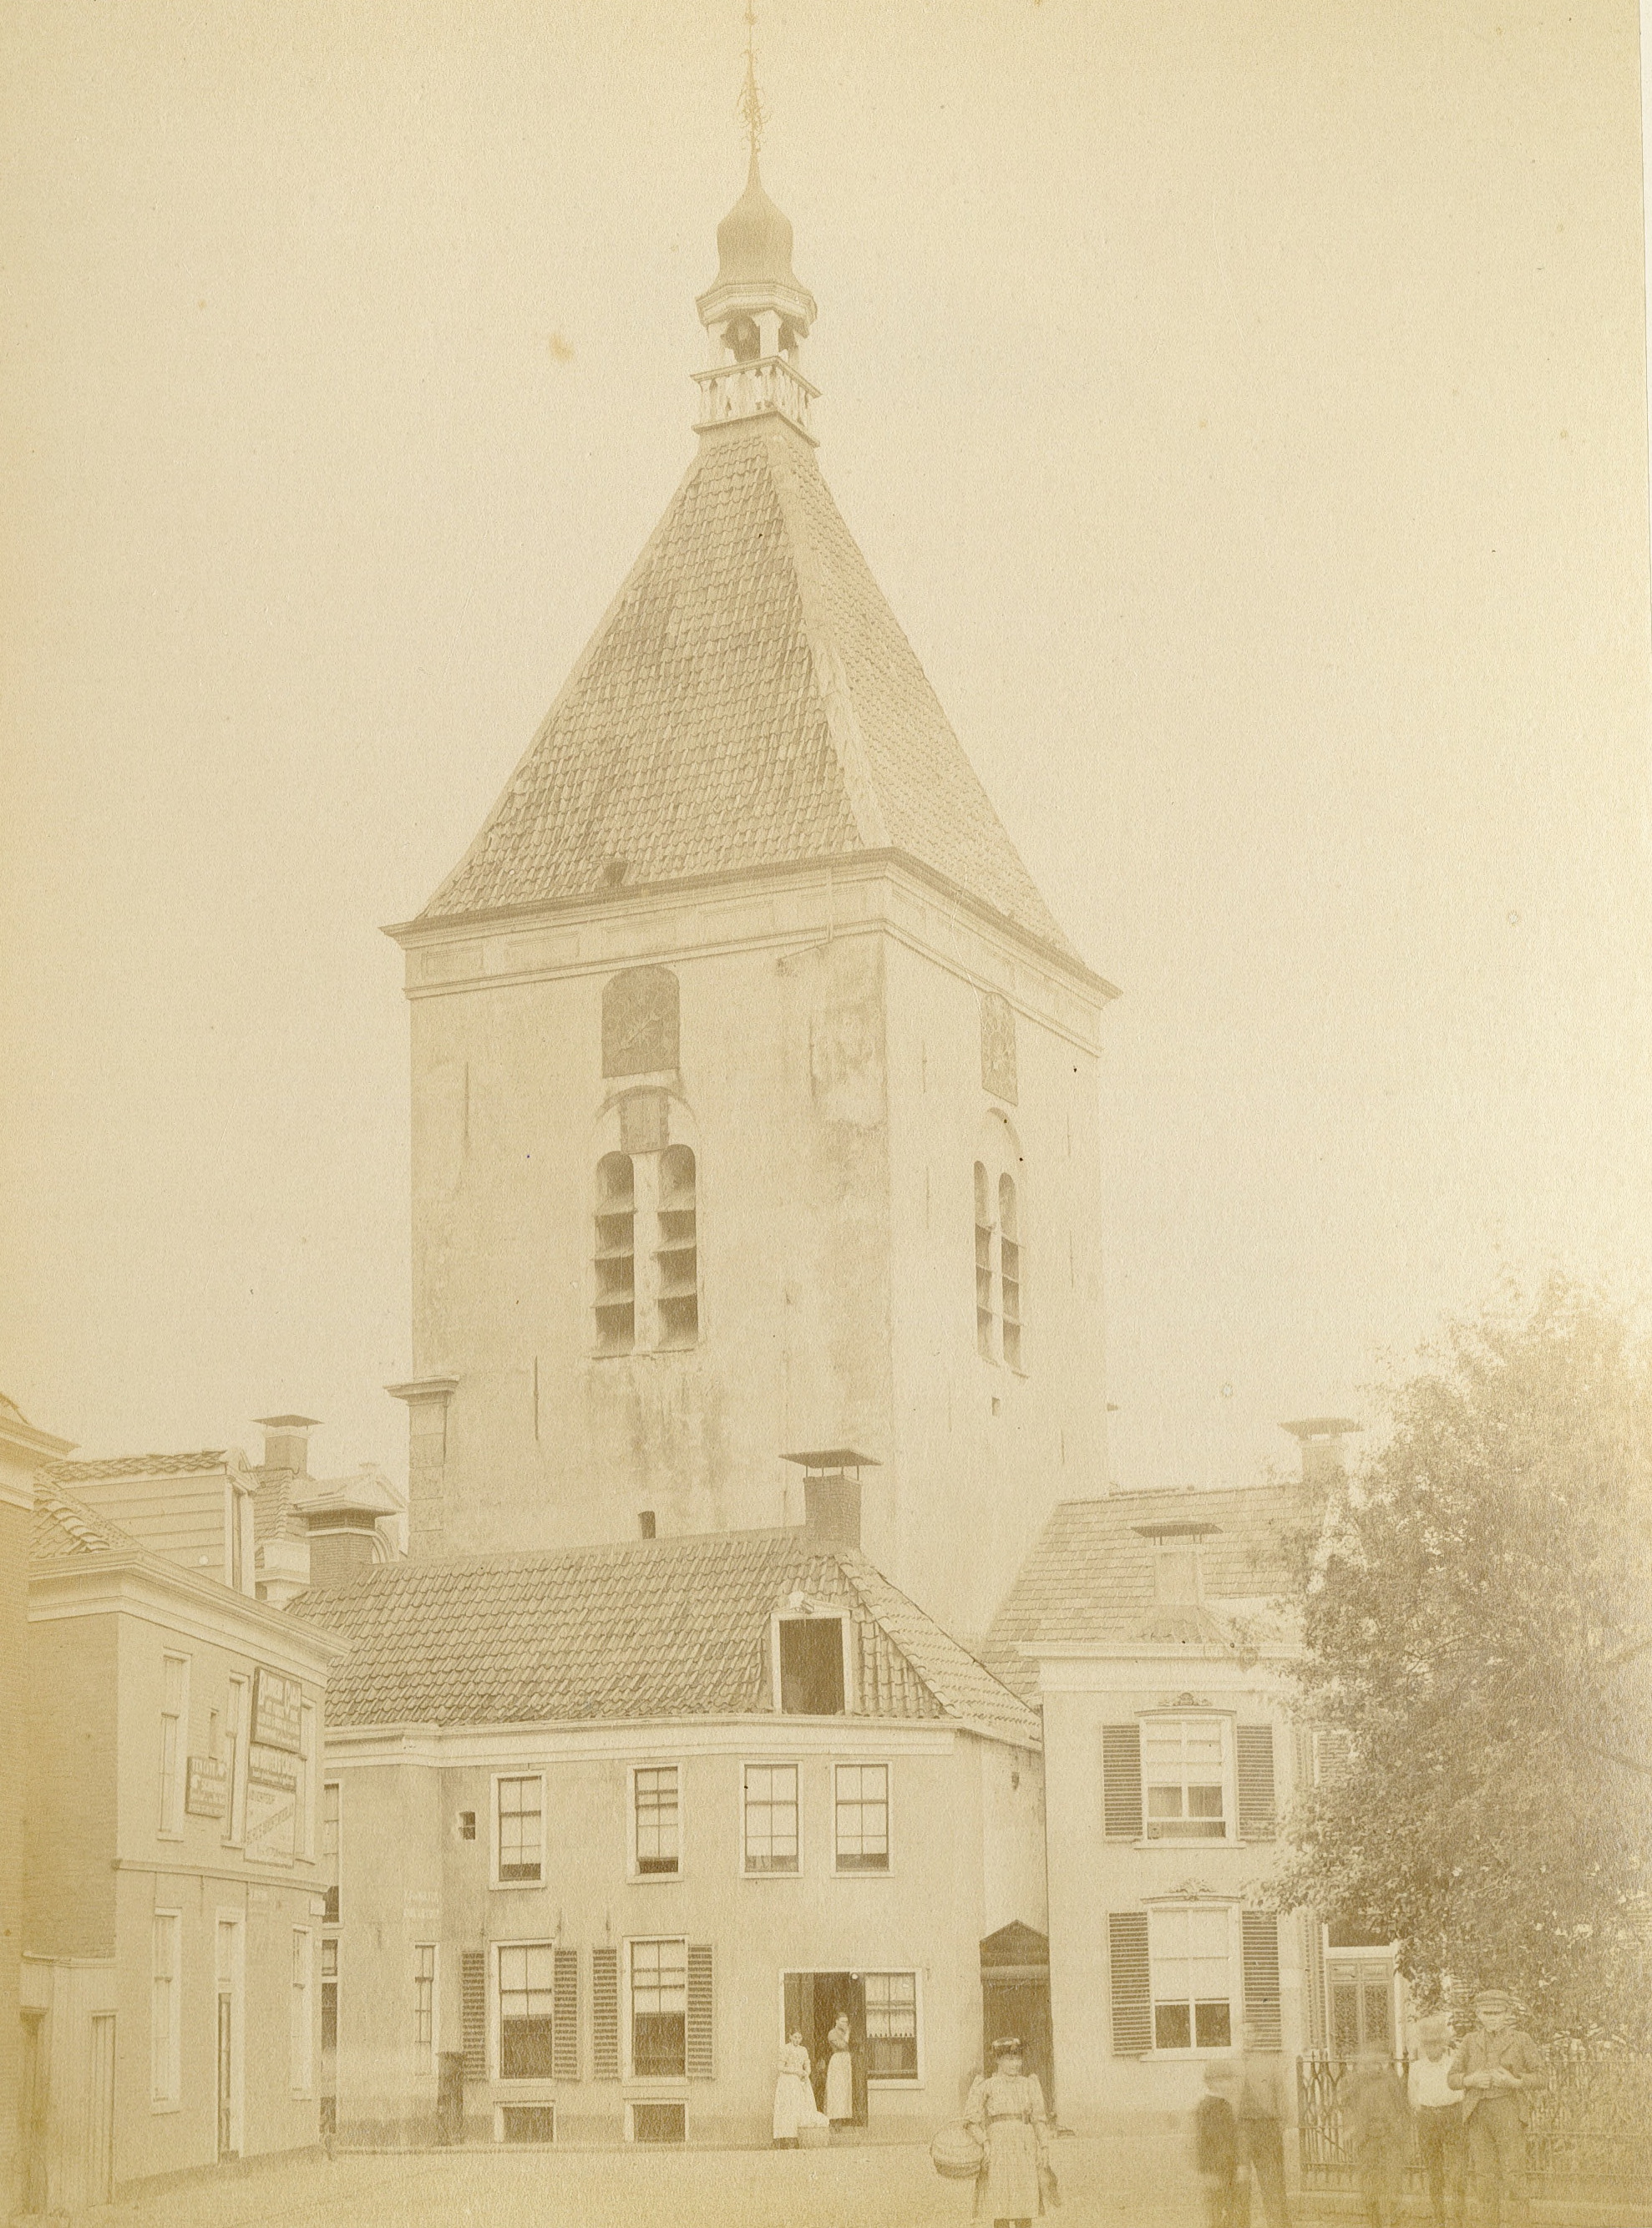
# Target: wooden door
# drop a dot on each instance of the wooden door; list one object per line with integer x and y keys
{"x": 1020, "y": 2006}
{"x": 100, "y": 2153}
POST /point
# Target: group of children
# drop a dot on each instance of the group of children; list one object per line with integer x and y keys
{"x": 1468, "y": 2107}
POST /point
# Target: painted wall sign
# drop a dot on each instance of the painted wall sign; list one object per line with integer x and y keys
{"x": 207, "y": 1791}
{"x": 277, "y": 1718}
{"x": 272, "y": 1805}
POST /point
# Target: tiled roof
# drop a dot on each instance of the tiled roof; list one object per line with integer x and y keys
{"x": 1089, "y": 1581}
{"x": 64, "y": 1527}
{"x": 748, "y": 701}
{"x": 71, "y": 1473}
{"x": 651, "y": 1629}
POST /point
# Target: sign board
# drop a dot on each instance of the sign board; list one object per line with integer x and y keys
{"x": 207, "y": 1791}
{"x": 272, "y": 1805}
{"x": 277, "y": 1703}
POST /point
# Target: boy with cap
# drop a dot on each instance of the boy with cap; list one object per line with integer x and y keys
{"x": 1438, "y": 2108}
{"x": 1493, "y": 2069}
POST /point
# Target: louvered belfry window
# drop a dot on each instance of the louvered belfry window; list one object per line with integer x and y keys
{"x": 615, "y": 1254}
{"x": 983, "y": 1309}
{"x": 1010, "y": 1281}
{"x": 678, "y": 1252}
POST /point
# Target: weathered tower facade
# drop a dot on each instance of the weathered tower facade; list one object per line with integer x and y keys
{"x": 754, "y": 1085}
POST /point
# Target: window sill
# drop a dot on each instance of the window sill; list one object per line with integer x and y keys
{"x": 646, "y": 2087}
{"x": 166, "y": 2104}
{"x": 517, "y": 1888}
{"x": 863, "y": 1872}
{"x": 773, "y": 1874}
{"x": 654, "y": 1880}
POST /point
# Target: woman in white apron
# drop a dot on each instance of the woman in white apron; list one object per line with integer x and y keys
{"x": 794, "y": 2098}
{"x": 1006, "y": 2109}
{"x": 840, "y": 2074}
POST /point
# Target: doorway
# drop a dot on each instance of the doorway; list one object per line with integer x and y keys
{"x": 100, "y": 2153}
{"x": 813, "y": 2003}
{"x": 1016, "y": 1999}
{"x": 229, "y": 2039}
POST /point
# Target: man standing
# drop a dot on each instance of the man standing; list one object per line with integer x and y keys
{"x": 1438, "y": 2108}
{"x": 1494, "y": 2069}
{"x": 1261, "y": 2110}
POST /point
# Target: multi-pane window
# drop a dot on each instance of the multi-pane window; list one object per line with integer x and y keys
{"x": 1191, "y": 1963}
{"x": 770, "y": 1812}
{"x": 303, "y": 2027}
{"x": 522, "y": 1826}
{"x": 678, "y": 1253}
{"x": 526, "y": 1982}
{"x": 615, "y": 1254}
{"x": 655, "y": 1817}
{"x": 329, "y": 1846}
{"x": 173, "y": 1678}
{"x": 659, "y": 2007}
{"x": 1000, "y": 1294}
{"x": 1184, "y": 1777}
{"x": 328, "y": 1999}
{"x": 164, "y": 2007}
{"x": 861, "y": 1817}
{"x": 234, "y": 1753}
{"x": 424, "y": 2006}
{"x": 891, "y": 2025}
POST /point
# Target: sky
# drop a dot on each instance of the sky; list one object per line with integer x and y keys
{"x": 1241, "y": 404}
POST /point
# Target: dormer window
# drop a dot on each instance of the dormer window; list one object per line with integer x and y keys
{"x": 812, "y": 1666}
{"x": 1178, "y": 1571}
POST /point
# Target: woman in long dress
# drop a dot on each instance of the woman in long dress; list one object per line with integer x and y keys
{"x": 1006, "y": 2109}
{"x": 794, "y": 2097}
{"x": 840, "y": 2074}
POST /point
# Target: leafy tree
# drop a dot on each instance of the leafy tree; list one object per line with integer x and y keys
{"x": 1477, "y": 1626}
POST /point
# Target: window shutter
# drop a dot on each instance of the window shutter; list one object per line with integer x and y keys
{"x": 702, "y": 2030}
{"x": 1313, "y": 1965}
{"x": 1253, "y": 1753}
{"x": 1259, "y": 1935}
{"x": 1121, "y": 1782}
{"x": 1132, "y": 1989}
{"x": 565, "y": 2016}
{"x": 1302, "y": 1760}
{"x": 473, "y": 2013}
{"x": 604, "y": 2015}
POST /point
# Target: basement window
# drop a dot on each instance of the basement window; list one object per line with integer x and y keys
{"x": 812, "y": 1666}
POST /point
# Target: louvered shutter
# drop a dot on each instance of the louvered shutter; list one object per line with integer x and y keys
{"x": 1131, "y": 1982}
{"x": 1253, "y": 1755}
{"x": 604, "y": 2015}
{"x": 1301, "y": 1761}
{"x": 565, "y": 2016}
{"x": 1121, "y": 1782}
{"x": 702, "y": 2024}
{"x": 473, "y": 2013}
{"x": 1259, "y": 1944}
{"x": 1313, "y": 1965}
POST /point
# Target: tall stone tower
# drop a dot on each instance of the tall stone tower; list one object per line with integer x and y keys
{"x": 753, "y": 1083}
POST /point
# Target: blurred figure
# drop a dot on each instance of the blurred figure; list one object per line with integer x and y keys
{"x": 1494, "y": 2067}
{"x": 1225, "y": 2189}
{"x": 1262, "y": 2113}
{"x": 1438, "y": 2108}
{"x": 794, "y": 2095}
{"x": 1376, "y": 2124}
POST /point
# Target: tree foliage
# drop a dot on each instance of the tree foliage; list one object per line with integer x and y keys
{"x": 1478, "y": 1625}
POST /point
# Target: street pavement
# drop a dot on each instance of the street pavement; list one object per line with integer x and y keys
{"x": 1103, "y": 2186}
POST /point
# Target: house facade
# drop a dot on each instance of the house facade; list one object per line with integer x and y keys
{"x": 1151, "y": 1628}
{"x": 605, "y": 1826}
{"x": 169, "y": 1990}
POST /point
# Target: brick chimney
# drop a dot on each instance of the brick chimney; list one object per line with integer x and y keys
{"x": 1321, "y": 1440}
{"x": 286, "y": 1442}
{"x": 831, "y": 1492}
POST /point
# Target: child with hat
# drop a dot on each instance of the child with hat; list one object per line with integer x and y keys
{"x": 1495, "y": 2071}
{"x": 1438, "y": 2108}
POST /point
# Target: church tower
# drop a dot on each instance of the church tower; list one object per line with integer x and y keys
{"x": 753, "y": 1083}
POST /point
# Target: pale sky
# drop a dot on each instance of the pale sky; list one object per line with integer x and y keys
{"x": 1243, "y": 409}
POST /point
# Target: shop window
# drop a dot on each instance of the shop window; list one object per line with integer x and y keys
{"x": 891, "y": 2026}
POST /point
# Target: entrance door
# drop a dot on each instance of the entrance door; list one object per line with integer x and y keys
{"x": 225, "y": 2074}
{"x": 1016, "y": 1999}
{"x": 100, "y": 2153}
{"x": 1362, "y": 1994}
{"x": 813, "y": 2003}
{"x": 32, "y": 2116}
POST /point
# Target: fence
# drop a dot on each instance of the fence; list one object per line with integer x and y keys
{"x": 1590, "y": 2124}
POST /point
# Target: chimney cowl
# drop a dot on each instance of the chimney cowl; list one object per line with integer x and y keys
{"x": 1321, "y": 1440}
{"x": 286, "y": 1442}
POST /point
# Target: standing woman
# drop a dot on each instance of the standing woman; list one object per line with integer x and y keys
{"x": 794, "y": 2099}
{"x": 839, "y": 2073}
{"x": 1006, "y": 2109}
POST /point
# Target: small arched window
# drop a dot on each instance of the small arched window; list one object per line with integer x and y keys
{"x": 615, "y": 1254}
{"x": 678, "y": 1250}
{"x": 1010, "y": 1270}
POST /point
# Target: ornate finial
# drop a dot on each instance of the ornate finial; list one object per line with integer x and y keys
{"x": 750, "y": 105}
